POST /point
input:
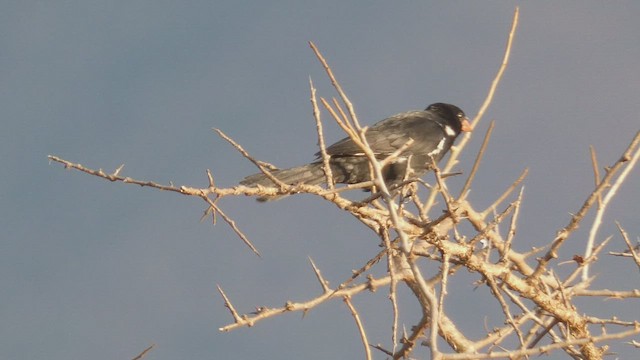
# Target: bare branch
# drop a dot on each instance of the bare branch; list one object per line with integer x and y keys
{"x": 324, "y": 283}
{"x": 323, "y": 148}
{"x": 605, "y": 202}
{"x": 513, "y": 226}
{"x": 455, "y": 150}
{"x": 363, "y": 333}
{"x": 115, "y": 176}
{"x": 596, "y": 170}
{"x": 632, "y": 249}
{"x": 336, "y": 85}
{"x": 257, "y": 163}
{"x": 583, "y": 262}
{"x": 391, "y": 266}
{"x": 476, "y": 163}
{"x": 505, "y": 308}
{"x": 577, "y": 218}
{"x": 610, "y": 294}
{"x": 264, "y": 313}
{"x": 506, "y": 193}
{"x": 145, "y": 351}
{"x": 541, "y": 350}
{"x": 501, "y": 70}
{"x": 227, "y": 303}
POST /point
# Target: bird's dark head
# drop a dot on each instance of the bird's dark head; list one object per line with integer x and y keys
{"x": 452, "y": 114}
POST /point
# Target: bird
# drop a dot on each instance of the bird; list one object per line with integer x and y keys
{"x": 433, "y": 131}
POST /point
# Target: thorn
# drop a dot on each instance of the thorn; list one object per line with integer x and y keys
{"x": 117, "y": 172}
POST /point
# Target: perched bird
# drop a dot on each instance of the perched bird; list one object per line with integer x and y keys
{"x": 433, "y": 131}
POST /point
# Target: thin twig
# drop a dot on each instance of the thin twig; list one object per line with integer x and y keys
{"x": 363, "y": 333}
{"x": 545, "y": 328}
{"x": 455, "y": 150}
{"x": 391, "y": 265}
{"x": 201, "y": 193}
{"x": 323, "y": 148}
{"x": 506, "y": 193}
{"x": 490, "y": 227}
{"x": 529, "y": 314}
{"x": 476, "y": 163}
{"x": 144, "y": 352}
{"x": 336, "y": 85}
{"x": 265, "y": 313}
{"x": 505, "y": 308}
{"x": 443, "y": 293}
{"x": 227, "y": 303}
{"x": 581, "y": 261}
{"x": 597, "y": 221}
{"x": 501, "y": 70}
{"x": 596, "y": 170}
{"x": 212, "y": 183}
{"x": 513, "y": 225}
{"x": 345, "y": 126}
{"x": 478, "y": 222}
{"x": 324, "y": 283}
{"x": 115, "y": 176}
{"x": 257, "y": 163}
{"x": 343, "y": 115}
{"x": 611, "y": 294}
{"x": 232, "y": 224}
{"x": 442, "y": 188}
{"x": 380, "y": 348}
{"x": 394, "y": 155}
{"x": 541, "y": 350}
{"x": 632, "y": 249}
{"x": 575, "y": 221}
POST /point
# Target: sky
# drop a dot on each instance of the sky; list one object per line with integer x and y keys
{"x": 93, "y": 269}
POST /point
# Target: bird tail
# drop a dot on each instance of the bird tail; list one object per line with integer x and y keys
{"x": 310, "y": 174}
{"x": 346, "y": 170}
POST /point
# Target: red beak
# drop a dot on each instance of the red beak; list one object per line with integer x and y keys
{"x": 466, "y": 125}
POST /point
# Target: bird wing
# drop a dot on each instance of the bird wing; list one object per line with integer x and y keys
{"x": 390, "y": 134}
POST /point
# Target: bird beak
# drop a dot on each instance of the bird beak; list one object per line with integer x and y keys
{"x": 466, "y": 125}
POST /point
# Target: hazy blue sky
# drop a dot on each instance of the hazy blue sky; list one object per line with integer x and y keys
{"x": 92, "y": 269}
